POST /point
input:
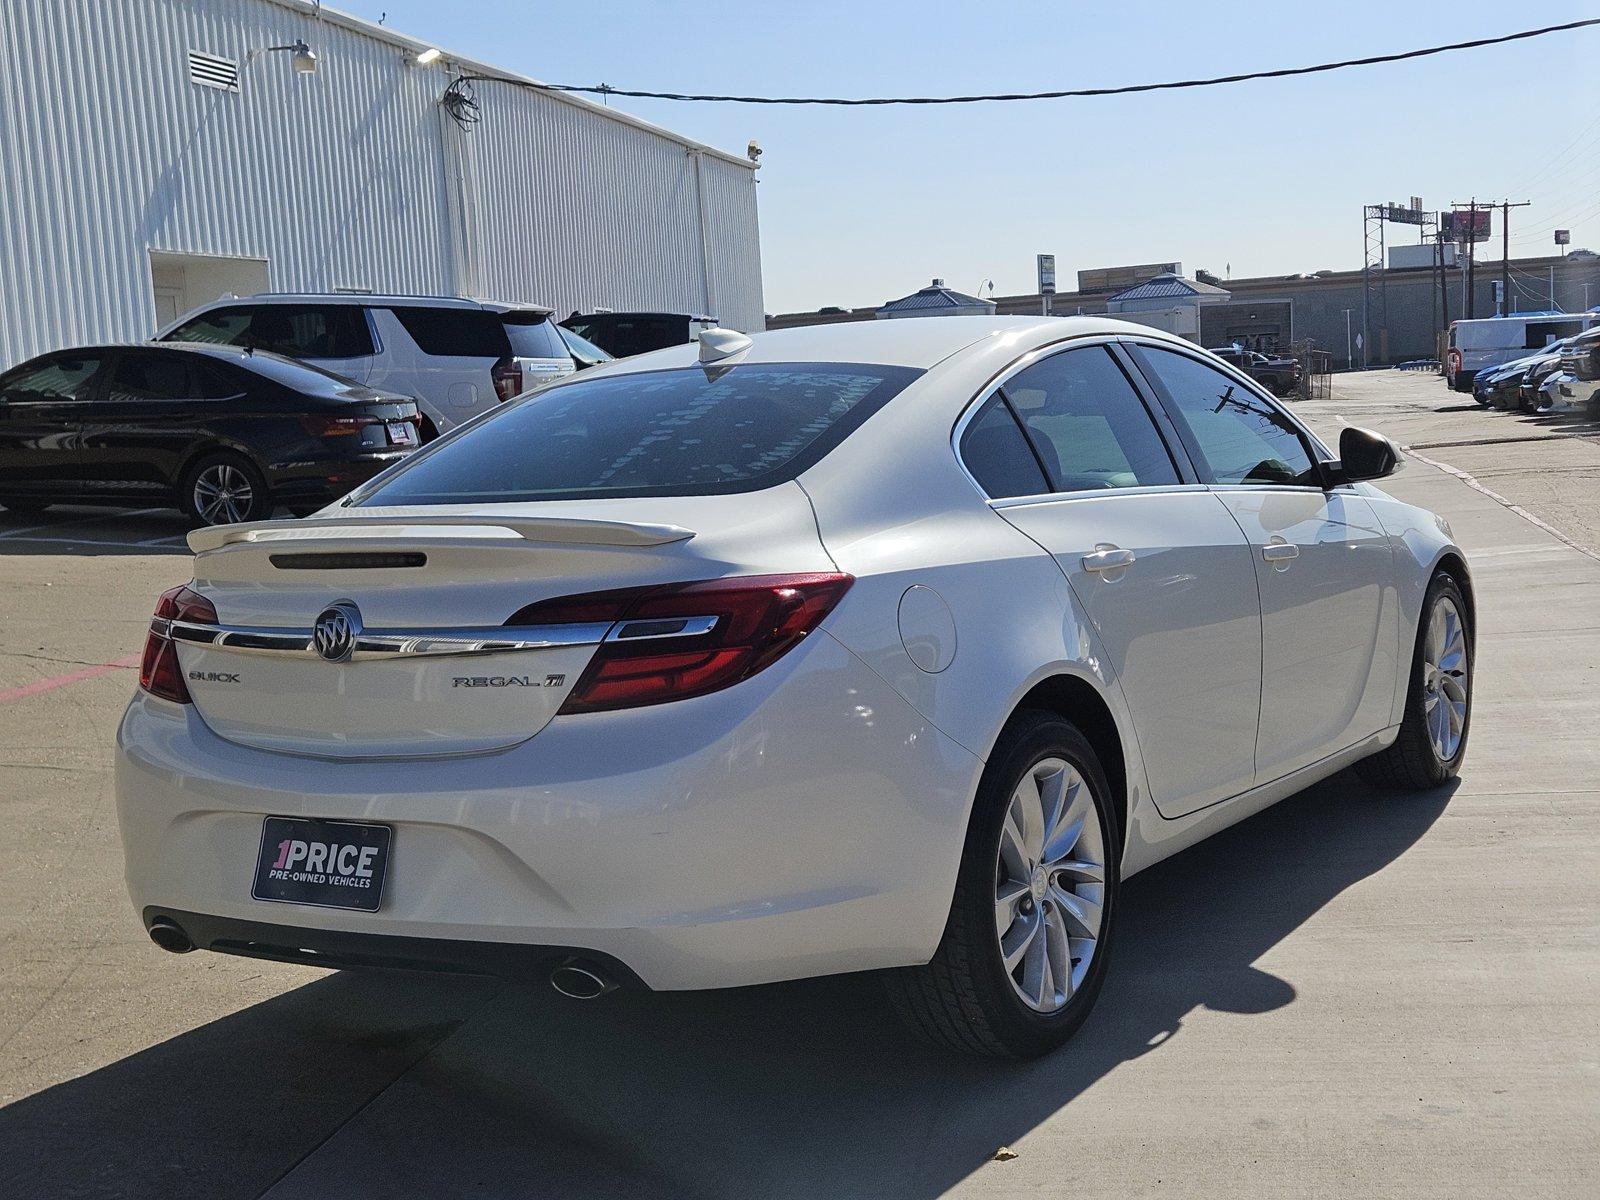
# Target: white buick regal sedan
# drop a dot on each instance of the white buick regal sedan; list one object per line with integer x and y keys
{"x": 896, "y": 646}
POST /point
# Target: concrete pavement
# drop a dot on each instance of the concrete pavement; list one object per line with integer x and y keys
{"x": 1350, "y": 994}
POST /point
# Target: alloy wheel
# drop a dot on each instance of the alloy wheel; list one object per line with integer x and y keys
{"x": 223, "y": 494}
{"x": 1444, "y": 679}
{"x": 1050, "y": 878}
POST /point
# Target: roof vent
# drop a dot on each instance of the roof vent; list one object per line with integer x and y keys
{"x": 213, "y": 71}
{"x": 937, "y": 283}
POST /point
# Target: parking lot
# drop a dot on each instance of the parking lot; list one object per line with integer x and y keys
{"x": 1350, "y": 994}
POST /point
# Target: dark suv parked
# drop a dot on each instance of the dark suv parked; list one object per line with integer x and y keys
{"x": 222, "y": 433}
{"x": 623, "y": 333}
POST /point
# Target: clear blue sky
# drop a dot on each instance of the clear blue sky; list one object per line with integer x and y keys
{"x": 859, "y": 206}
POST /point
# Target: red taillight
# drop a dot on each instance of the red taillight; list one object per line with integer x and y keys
{"x": 507, "y": 376}
{"x": 159, "y": 672}
{"x": 651, "y": 656}
{"x": 321, "y": 426}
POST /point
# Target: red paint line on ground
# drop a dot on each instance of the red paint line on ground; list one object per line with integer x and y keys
{"x": 55, "y": 681}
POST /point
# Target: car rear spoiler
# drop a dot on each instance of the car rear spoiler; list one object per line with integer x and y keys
{"x": 574, "y": 530}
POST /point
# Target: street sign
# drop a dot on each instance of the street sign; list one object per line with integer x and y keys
{"x": 1046, "y": 264}
{"x": 1563, "y": 237}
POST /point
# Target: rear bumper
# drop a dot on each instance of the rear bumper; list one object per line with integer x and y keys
{"x": 805, "y": 822}
{"x": 340, "y": 948}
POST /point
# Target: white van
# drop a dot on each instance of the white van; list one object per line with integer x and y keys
{"x": 455, "y": 357}
{"x": 1474, "y": 345}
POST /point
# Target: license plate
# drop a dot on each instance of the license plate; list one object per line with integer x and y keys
{"x": 331, "y": 864}
{"x": 401, "y": 433}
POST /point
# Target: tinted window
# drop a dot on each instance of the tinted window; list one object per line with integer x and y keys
{"x": 623, "y": 336}
{"x": 61, "y": 376}
{"x": 582, "y": 348}
{"x": 219, "y": 327}
{"x": 311, "y": 331}
{"x": 1088, "y": 423}
{"x": 216, "y": 381}
{"x": 1237, "y": 436}
{"x": 533, "y": 337}
{"x": 656, "y": 433}
{"x": 455, "y": 332}
{"x": 997, "y": 454}
{"x": 302, "y": 377}
{"x": 149, "y": 377}
{"x": 298, "y": 330}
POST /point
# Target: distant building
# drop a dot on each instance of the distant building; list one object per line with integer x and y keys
{"x": 1272, "y": 312}
{"x": 1116, "y": 279}
{"x": 937, "y": 300}
{"x": 1169, "y": 302}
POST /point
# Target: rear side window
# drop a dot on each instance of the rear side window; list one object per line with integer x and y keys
{"x": 1235, "y": 435}
{"x": 301, "y": 377}
{"x": 298, "y": 330}
{"x": 59, "y": 377}
{"x": 998, "y": 456}
{"x": 312, "y": 331}
{"x": 150, "y": 377}
{"x": 654, "y": 433}
{"x": 455, "y": 332}
{"x": 1088, "y": 424}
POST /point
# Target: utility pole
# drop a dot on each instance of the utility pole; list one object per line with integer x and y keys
{"x": 1505, "y": 252}
{"x": 1472, "y": 259}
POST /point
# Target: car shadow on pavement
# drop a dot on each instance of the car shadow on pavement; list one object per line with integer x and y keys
{"x": 401, "y": 1085}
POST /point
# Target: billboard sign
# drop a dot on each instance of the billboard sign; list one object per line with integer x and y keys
{"x": 1465, "y": 226}
{"x": 1046, "y": 264}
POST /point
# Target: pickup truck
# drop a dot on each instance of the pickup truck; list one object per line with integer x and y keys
{"x": 1579, "y": 381}
{"x": 1281, "y": 376}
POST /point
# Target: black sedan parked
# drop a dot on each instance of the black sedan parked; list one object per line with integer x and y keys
{"x": 224, "y": 434}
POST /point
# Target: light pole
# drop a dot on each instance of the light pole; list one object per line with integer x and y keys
{"x": 1349, "y": 355}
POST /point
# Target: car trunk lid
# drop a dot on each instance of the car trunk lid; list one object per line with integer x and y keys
{"x": 422, "y": 595}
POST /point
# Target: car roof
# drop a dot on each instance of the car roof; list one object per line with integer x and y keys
{"x": 380, "y": 300}
{"x": 904, "y": 341}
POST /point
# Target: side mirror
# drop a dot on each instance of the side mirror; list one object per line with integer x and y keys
{"x": 1363, "y": 454}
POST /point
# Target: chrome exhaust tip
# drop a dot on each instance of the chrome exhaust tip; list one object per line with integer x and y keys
{"x": 578, "y": 979}
{"x": 169, "y": 935}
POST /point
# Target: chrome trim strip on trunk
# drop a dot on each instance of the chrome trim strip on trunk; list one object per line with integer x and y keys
{"x": 386, "y": 643}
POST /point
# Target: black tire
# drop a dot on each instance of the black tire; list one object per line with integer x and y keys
{"x": 964, "y": 999}
{"x": 253, "y": 503}
{"x": 1412, "y": 763}
{"x": 23, "y": 504}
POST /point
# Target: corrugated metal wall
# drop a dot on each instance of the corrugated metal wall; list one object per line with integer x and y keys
{"x": 341, "y": 179}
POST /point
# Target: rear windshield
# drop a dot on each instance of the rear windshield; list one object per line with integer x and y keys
{"x": 533, "y": 336}
{"x": 685, "y": 432}
{"x": 302, "y": 377}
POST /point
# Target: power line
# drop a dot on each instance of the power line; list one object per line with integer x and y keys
{"x": 605, "y": 89}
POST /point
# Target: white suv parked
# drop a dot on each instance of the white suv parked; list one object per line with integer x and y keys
{"x": 455, "y": 357}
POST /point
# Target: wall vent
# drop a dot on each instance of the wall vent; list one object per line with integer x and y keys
{"x": 213, "y": 71}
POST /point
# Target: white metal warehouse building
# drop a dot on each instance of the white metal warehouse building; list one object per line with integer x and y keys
{"x": 157, "y": 154}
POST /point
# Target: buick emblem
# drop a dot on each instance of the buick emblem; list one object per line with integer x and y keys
{"x": 334, "y": 635}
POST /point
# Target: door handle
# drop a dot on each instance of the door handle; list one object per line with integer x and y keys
{"x": 1108, "y": 558}
{"x": 1280, "y": 552}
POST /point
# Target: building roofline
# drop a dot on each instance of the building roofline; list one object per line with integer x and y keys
{"x": 473, "y": 66}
